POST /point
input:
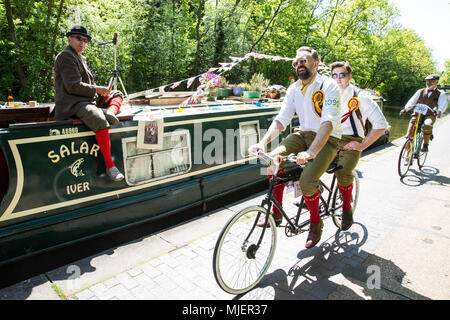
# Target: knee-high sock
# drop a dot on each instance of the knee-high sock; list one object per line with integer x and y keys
{"x": 102, "y": 137}
{"x": 115, "y": 104}
{"x": 278, "y": 195}
{"x": 312, "y": 202}
{"x": 346, "y": 193}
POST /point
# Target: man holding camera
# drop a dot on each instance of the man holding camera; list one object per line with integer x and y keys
{"x": 77, "y": 95}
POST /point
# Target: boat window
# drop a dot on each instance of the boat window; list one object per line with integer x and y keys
{"x": 248, "y": 135}
{"x": 143, "y": 165}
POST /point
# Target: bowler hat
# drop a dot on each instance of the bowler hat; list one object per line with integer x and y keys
{"x": 79, "y": 29}
{"x": 432, "y": 77}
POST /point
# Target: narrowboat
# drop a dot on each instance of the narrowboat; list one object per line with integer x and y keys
{"x": 54, "y": 191}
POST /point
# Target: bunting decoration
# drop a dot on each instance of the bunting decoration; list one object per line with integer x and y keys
{"x": 212, "y": 80}
{"x": 223, "y": 67}
{"x": 176, "y": 84}
{"x": 190, "y": 81}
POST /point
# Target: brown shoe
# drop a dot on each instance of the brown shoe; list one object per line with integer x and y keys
{"x": 315, "y": 232}
{"x": 424, "y": 148}
{"x": 278, "y": 219}
{"x": 347, "y": 219}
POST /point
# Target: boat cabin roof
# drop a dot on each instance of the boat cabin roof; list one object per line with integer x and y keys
{"x": 23, "y": 117}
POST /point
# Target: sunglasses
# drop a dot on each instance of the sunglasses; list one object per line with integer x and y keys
{"x": 81, "y": 39}
{"x": 299, "y": 62}
{"x": 341, "y": 75}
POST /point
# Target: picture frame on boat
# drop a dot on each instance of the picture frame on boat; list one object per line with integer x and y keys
{"x": 150, "y": 133}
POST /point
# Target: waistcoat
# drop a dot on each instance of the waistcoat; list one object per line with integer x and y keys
{"x": 431, "y": 101}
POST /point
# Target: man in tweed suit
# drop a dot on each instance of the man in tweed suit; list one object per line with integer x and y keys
{"x": 77, "y": 95}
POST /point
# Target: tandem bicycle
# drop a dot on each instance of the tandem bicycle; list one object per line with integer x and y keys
{"x": 244, "y": 250}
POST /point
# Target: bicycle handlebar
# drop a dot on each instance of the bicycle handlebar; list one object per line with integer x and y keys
{"x": 434, "y": 110}
{"x": 428, "y": 107}
{"x": 290, "y": 158}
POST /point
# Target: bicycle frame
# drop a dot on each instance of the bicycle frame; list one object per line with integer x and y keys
{"x": 270, "y": 200}
{"x": 413, "y": 135}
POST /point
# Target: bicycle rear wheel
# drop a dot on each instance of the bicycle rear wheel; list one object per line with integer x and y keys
{"x": 405, "y": 159}
{"x": 336, "y": 204}
{"x": 421, "y": 156}
{"x": 238, "y": 262}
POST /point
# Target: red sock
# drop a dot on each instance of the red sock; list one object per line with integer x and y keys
{"x": 312, "y": 202}
{"x": 278, "y": 195}
{"x": 346, "y": 193}
{"x": 104, "y": 142}
{"x": 115, "y": 104}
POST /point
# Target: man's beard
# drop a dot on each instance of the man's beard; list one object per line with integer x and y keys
{"x": 305, "y": 75}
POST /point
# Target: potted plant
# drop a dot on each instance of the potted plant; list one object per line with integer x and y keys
{"x": 273, "y": 93}
{"x": 256, "y": 85}
{"x": 224, "y": 89}
{"x": 211, "y": 81}
{"x": 238, "y": 89}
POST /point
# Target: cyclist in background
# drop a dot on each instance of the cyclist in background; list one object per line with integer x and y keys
{"x": 356, "y": 108}
{"x": 433, "y": 98}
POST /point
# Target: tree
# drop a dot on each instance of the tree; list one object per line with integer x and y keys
{"x": 445, "y": 77}
{"x": 161, "y": 42}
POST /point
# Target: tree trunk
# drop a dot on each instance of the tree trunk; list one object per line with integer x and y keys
{"x": 12, "y": 32}
{"x": 268, "y": 26}
{"x": 200, "y": 13}
{"x": 49, "y": 69}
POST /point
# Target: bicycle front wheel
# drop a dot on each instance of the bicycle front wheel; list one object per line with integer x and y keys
{"x": 405, "y": 158}
{"x": 244, "y": 251}
{"x": 336, "y": 204}
{"x": 421, "y": 156}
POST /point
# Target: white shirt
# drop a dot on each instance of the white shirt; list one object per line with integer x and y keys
{"x": 369, "y": 110}
{"x": 442, "y": 102}
{"x": 295, "y": 102}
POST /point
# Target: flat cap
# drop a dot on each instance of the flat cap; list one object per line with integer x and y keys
{"x": 432, "y": 77}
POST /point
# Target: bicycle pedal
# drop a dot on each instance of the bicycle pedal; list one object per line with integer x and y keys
{"x": 291, "y": 233}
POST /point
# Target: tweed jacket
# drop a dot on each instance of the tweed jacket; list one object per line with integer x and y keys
{"x": 74, "y": 84}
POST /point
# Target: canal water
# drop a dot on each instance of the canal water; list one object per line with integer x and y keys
{"x": 398, "y": 124}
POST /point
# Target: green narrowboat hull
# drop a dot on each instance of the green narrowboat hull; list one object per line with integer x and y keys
{"x": 54, "y": 190}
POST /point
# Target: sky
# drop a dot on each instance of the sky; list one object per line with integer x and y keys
{"x": 430, "y": 19}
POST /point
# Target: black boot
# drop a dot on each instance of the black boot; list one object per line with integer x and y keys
{"x": 347, "y": 219}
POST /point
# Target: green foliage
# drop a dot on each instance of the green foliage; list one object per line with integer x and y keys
{"x": 258, "y": 82}
{"x": 161, "y": 42}
{"x": 445, "y": 77}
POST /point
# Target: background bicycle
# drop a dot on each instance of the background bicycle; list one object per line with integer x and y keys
{"x": 412, "y": 148}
